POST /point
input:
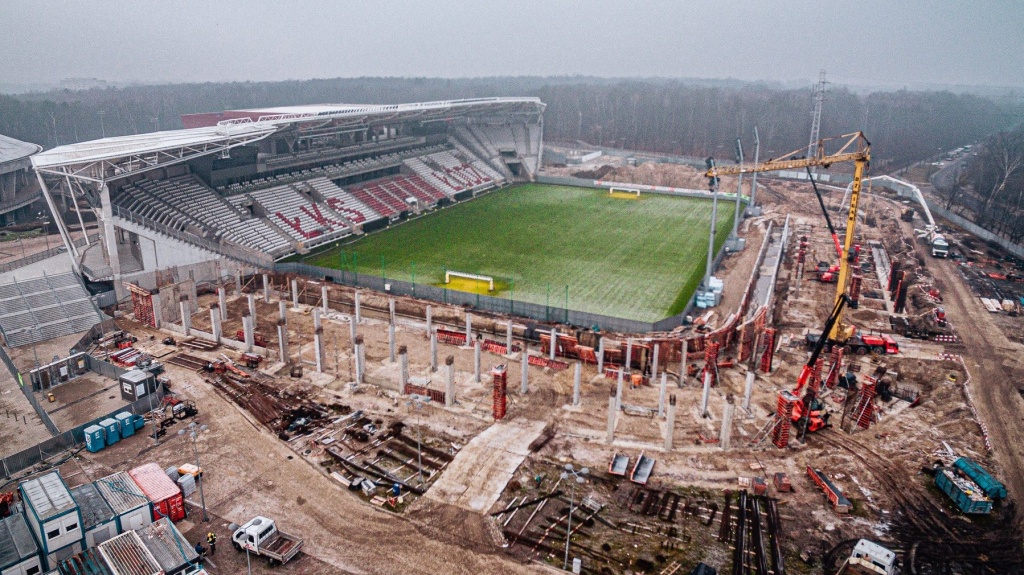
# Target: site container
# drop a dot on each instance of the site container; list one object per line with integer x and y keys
{"x": 113, "y": 430}
{"x": 125, "y": 423}
{"x": 129, "y": 503}
{"x": 162, "y": 492}
{"x": 986, "y": 482}
{"x": 95, "y": 438}
{"x": 966, "y": 494}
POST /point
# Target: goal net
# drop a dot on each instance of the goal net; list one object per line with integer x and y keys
{"x": 469, "y": 278}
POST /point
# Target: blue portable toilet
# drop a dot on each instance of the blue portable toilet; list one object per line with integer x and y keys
{"x": 138, "y": 421}
{"x": 113, "y": 433}
{"x": 95, "y": 438}
{"x": 125, "y": 423}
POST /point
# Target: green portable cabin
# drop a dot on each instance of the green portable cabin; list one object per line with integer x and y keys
{"x": 19, "y": 553}
{"x": 98, "y": 520}
{"x": 131, "y": 507}
{"x": 53, "y": 517}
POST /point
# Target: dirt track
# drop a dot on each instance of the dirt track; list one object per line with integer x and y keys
{"x": 990, "y": 357}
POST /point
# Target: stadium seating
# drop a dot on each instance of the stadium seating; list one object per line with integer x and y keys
{"x": 44, "y": 308}
{"x": 297, "y": 215}
{"x": 343, "y": 202}
{"x": 184, "y": 200}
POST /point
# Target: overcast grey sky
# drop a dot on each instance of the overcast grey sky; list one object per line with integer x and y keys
{"x": 898, "y": 42}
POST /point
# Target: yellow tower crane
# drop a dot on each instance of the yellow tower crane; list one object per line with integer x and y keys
{"x": 854, "y": 148}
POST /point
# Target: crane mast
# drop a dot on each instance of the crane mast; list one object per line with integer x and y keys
{"x": 855, "y": 148}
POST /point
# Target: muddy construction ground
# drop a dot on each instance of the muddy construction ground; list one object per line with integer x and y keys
{"x": 323, "y": 454}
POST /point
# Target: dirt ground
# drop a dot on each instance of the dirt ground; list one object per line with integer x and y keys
{"x": 256, "y": 468}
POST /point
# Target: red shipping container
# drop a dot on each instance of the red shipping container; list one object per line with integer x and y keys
{"x": 161, "y": 491}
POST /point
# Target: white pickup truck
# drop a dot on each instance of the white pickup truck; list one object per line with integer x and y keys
{"x": 260, "y": 536}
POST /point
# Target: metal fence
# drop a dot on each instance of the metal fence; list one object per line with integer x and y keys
{"x": 40, "y": 256}
{"x": 27, "y": 391}
{"x": 71, "y": 439}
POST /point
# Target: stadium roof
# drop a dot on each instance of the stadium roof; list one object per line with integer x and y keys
{"x": 11, "y": 149}
{"x": 112, "y": 158}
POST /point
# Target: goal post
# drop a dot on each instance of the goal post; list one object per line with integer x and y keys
{"x": 624, "y": 192}
{"x": 448, "y": 274}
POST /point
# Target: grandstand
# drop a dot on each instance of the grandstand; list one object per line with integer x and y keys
{"x": 259, "y": 185}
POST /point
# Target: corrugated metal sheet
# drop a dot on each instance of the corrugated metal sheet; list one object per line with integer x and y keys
{"x": 154, "y": 482}
{"x": 88, "y": 562}
{"x": 16, "y": 541}
{"x": 170, "y": 548}
{"x": 48, "y": 495}
{"x": 127, "y": 555}
{"x": 95, "y": 509}
{"x": 121, "y": 492}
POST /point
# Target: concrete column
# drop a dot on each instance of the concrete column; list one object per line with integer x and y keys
{"x": 158, "y": 311}
{"x": 391, "y": 342}
{"x": 109, "y": 233}
{"x": 266, "y": 288}
{"x": 252, "y": 308}
{"x": 628, "y": 360}
{"x": 525, "y": 364}
{"x": 476, "y": 362}
{"x": 433, "y": 351}
{"x": 391, "y": 310}
{"x": 725, "y": 436}
{"x": 318, "y": 340}
{"x": 508, "y": 338}
{"x": 661, "y": 395}
{"x": 748, "y": 389}
{"x": 360, "y": 359}
{"x": 186, "y": 316}
{"x": 359, "y": 317}
{"x": 323, "y": 299}
{"x": 618, "y": 392}
{"x": 554, "y": 343}
{"x": 449, "y": 384}
{"x": 600, "y": 354}
{"x": 403, "y": 372}
{"x": 352, "y": 329}
{"x": 577, "y": 378}
{"x": 670, "y": 422}
{"x": 704, "y": 395}
{"x": 682, "y": 364}
{"x": 295, "y": 292}
{"x": 215, "y": 323}
{"x": 281, "y": 310}
{"x": 612, "y": 412}
{"x": 238, "y": 280}
{"x": 430, "y": 321}
{"x": 654, "y": 363}
{"x": 249, "y": 331}
{"x": 223, "y": 301}
{"x": 282, "y": 336}
{"x": 469, "y": 329}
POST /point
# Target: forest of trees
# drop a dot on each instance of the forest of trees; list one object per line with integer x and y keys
{"x": 988, "y": 188}
{"x": 695, "y": 118}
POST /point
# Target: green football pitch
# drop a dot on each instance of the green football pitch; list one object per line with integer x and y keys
{"x": 639, "y": 259}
